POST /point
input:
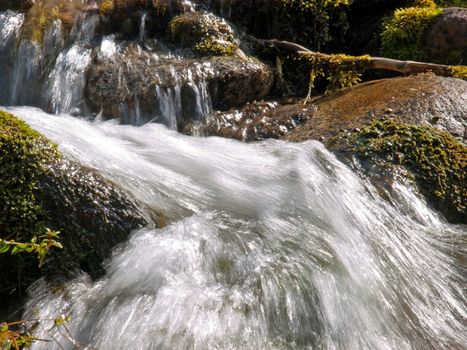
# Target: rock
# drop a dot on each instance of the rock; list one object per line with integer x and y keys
{"x": 422, "y": 99}
{"x": 446, "y": 40}
{"x": 49, "y": 191}
{"x": 256, "y": 121}
{"x": 172, "y": 87}
{"x": 203, "y": 33}
{"x": 435, "y": 160}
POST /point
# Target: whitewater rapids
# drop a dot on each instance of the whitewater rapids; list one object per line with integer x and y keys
{"x": 269, "y": 245}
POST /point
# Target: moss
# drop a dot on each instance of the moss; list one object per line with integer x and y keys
{"x": 204, "y": 33}
{"x": 338, "y": 70}
{"x": 403, "y": 34}
{"x": 106, "y": 7}
{"x": 424, "y": 3}
{"x": 44, "y": 12}
{"x": 437, "y": 161}
{"x": 24, "y": 155}
{"x": 459, "y": 72}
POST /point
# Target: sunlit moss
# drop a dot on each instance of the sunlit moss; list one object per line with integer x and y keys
{"x": 403, "y": 33}
{"x": 204, "y": 33}
{"x": 437, "y": 161}
{"x": 459, "y": 72}
{"x": 338, "y": 70}
{"x": 24, "y": 154}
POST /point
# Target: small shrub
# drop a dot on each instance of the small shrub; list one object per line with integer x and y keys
{"x": 403, "y": 34}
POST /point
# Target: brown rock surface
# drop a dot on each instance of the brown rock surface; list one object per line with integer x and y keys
{"x": 422, "y": 99}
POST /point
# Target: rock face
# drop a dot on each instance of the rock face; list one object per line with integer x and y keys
{"x": 170, "y": 88}
{"x": 447, "y": 37}
{"x": 435, "y": 160}
{"x": 256, "y": 121}
{"x": 430, "y": 100}
{"x": 204, "y": 33}
{"x": 49, "y": 191}
{"x": 423, "y": 99}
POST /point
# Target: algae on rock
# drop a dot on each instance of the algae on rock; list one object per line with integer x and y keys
{"x": 436, "y": 160}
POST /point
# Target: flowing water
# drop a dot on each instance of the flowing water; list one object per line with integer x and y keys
{"x": 270, "y": 245}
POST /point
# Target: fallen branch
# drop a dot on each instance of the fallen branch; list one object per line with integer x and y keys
{"x": 405, "y": 67}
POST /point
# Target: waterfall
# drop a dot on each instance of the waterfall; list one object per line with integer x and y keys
{"x": 270, "y": 245}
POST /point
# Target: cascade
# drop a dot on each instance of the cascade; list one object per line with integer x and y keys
{"x": 270, "y": 246}
{"x": 266, "y": 245}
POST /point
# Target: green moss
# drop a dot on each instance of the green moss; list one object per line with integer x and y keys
{"x": 24, "y": 155}
{"x": 204, "y": 33}
{"x": 403, "y": 34}
{"x": 436, "y": 159}
{"x": 338, "y": 70}
{"x": 44, "y": 12}
{"x": 459, "y": 72}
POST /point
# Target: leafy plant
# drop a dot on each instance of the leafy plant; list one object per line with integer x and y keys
{"x": 403, "y": 33}
{"x": 39, "y": 246}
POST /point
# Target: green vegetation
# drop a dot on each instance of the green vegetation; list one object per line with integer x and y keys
{"x": 41, "y": 248}
{"x": 24, "y": 155}
{"x": 338, "y": 70}
{"x": 459, "y": 72}
{"x": 402, "y": 37}
{"x": 436, "y": 159}
{"x": 204, "y": 33}
{"x": 44, "y": 12}
{"x": 308, "y": 21}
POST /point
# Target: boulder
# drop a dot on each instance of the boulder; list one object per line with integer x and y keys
{"x": 203, "y": 33}
{"x": 446, "y": 40}
{"x": 422, "y": 99}
{"x": 123, "y": 85}
{"x": 432, "y": 159}
{"x": 49, "y": 191}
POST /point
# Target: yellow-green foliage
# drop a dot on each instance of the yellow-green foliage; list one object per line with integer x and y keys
{"x": 436, "y": 159}
{"x": 204, "y": 33}
{"x": 24, "y": 155}
{"x": 424, "y": 3}
{"x": 106, "y": 7}
{"x": 459, "y": 72}
{"x": 403, "y": 33}
{"x": 45, "y": 12}
{"x": 339, "y": 70}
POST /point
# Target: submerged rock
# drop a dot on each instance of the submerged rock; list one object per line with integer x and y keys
{"x": 40, "y": 189}
{"x": 256, "y": 121}
{"x": 172, "y": 91}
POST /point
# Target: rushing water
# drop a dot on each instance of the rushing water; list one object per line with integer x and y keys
{"x": 270, "y": 245}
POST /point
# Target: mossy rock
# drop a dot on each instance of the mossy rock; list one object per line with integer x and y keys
{"x": 204, "y": 33}
{"x": 41, "y": 189}
{"x": 404, "y": 33}
{"x": 435, "y": 160}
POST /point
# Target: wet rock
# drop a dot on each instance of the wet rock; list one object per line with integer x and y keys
{"x": 256, "y": 121}
{"x": 423, "y": 99}
{"x": 152, "y": 87}
{"x": 446, "y": 40}
{"x": 203, "y": 33}
{"x": 431, "y": 159}
{"x": 49, "y": 191}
